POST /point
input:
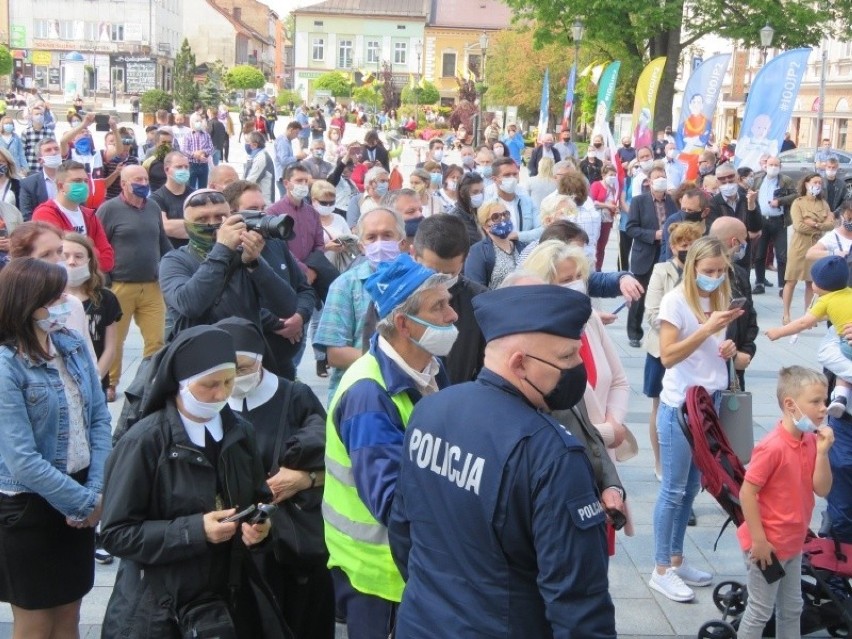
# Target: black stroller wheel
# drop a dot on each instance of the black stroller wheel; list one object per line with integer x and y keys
{"x": 838, "y": 631}
{"x": 730, "y": 597}
{"x": 717, "y": 630}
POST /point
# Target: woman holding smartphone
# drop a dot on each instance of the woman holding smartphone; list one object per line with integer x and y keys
{"x": 174, "y": 477}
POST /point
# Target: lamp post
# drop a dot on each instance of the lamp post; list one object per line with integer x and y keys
{"x": 483, "y": 51}
{"x": 577, "y": 33}
{"x": 821, "y": 110}
{"x": 766, "y": 35}
{"x": 418, "y": 48}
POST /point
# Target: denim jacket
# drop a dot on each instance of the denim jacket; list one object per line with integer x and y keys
{"x": 34, "y": 414}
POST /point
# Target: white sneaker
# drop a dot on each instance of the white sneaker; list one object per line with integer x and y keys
{"x": 837, "y": 407}
{"x": 692, "y": 576}
{"x": 670, "y": 585}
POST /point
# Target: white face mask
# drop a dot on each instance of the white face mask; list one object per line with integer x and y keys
{"x": 646, "y": 165}
{"x": 772, "y": 171}
{"x": 728, "y": 190}
{"x": 57, "y": 317}
{"x": 476, "y": 200}
{"x": 245, "y": 384}
{"x": 452, "y": 185}
{"x": 831, "y": 173}
{"x": 436, "y": 340}
{"x": 299, "y": 191}
{"x": 78, "y": 275}
{"x": 325, "y": 211}
{"x": 199, "y": 409}
{"x": 508, "y": 184}
{"x": 452, "y": 281}
{"x": 51, "y": 161}
{"x": 438, "y": 155}
{"x": 576, "y": 285}
{"x": 670, "y": 154}
{"x": 659, "y": 184}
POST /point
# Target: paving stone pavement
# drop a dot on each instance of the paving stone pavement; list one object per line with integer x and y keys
{"x": 640, "y": 612}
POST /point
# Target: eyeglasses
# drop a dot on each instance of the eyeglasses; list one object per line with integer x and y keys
{"x": 326, "y": 203}
{"x": 204, "y": 196}
{"x": 502, "y": 215}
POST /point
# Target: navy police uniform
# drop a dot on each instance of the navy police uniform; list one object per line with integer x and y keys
{"x": 496, "y": 523}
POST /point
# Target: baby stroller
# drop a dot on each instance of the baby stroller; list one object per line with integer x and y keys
{"x": 826, "y": 564}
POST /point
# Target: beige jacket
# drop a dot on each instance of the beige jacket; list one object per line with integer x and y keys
{"x": 664, "y": 278}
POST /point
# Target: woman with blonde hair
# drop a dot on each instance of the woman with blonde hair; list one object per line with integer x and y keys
{"x": 664, "y": 277}
{"x": 495, "y": 256}
{"x": 10, "y": 184}
{"x": 543, "y": 183}
{"x": 692, "y": 320}
{"x": 607, "y": 390}
{"x": 588, "y": 218}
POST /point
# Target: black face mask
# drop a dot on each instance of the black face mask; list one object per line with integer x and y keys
{"x": 681, "y": 256}
{"x": 568, "y": 390}
{"x": 691, "y": 216}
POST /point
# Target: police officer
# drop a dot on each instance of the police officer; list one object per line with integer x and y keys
{"x": 364, "y": 430}
{"x": 496, "y": 524}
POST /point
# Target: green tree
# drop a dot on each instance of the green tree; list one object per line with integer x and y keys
{"x": 6, "y": 62}
{"x": 333, "y": 81}
{"x": 427, "y": 94}
{"x": 154, "y": 100}
{"x": 186, "y": 92}
{"x": 286, "y": 96}
{"x": 370, "y": 96}
{"x": 244, "y": 76}
{"x": 210, "y": 94}
{"x": 638, "y": 32}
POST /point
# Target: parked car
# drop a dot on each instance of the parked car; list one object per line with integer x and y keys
{"x": 796, "y": 163}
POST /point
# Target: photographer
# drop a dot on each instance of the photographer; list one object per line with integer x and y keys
{"x": 220, "y": 273}
{"x": 284, "y": 334}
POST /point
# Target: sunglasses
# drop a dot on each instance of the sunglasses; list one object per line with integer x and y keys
{"x": 205, "y": 196}
{"x": 496, "y": 217}
{"x": 322, "y": 203}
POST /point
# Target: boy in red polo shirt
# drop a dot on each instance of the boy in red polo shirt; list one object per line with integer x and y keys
{"x": 787, "y": 467}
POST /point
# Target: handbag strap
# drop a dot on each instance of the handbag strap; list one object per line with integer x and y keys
{"x": 733, "y": 380}
{"x": 279, "y": 436}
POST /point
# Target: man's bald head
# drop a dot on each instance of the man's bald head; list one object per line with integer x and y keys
{"x": 222, "y": 176}
{"x": 727, "y": 229}
{"x": 133, "y": 173}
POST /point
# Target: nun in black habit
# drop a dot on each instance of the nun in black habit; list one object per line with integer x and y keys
{"x": 186, "y": 465}
{"x": 289, "y": 422}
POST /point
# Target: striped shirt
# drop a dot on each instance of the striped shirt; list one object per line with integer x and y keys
{"x": 197, "y": 141}
{"x": 31, "y": 139}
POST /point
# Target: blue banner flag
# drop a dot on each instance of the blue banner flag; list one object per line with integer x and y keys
{"x": 569, "y": 98}
{"x": 771, "y": 100}
{"x": 699, "y": 103}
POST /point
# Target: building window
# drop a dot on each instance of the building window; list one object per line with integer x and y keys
{"x": 842, "y": 133}
{"x": 399, "y": 51}
{"x": 116, "y": 33}
{"x": 373, "y": 49}
{"x": 318, "y": 50}
{"x": 344, "y": 54}
{"x": 448, "y": 65}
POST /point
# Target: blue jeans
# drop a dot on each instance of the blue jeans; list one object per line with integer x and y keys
{"x": 217, "y": 157}
{"x": 680, "y": 484}
{"x": 785, "y": 596}
{"x": 319, "y": 354}
{"x": 198, "y": 172}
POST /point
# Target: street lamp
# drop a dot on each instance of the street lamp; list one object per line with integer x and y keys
{"x": 577, "y": 33}
{"x": 766, "y": 35}
{"x": 418, "y": 48}
{"x": 483, "y": 51}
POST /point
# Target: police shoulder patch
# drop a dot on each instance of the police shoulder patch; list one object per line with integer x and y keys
{"x": 586, "y": 511}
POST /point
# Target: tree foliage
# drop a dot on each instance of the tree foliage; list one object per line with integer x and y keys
{"x": 369, "y": 96}
{"x": 637, "y": 32}
{"x": 244, "y": 76}
{"x": 286, "y": 96}
{"x": 186, "y": 92}
{"x": 6, "y": 62}
{"x": 427, "y": 94}
{"x": 154, "y": 100}
{"x": 335, "y": 82}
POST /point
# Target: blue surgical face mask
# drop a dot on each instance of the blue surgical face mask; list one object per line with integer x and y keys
{"x": 381, "y": 188}
{"x": 740, "y": 252}
{"x": 477, "y": 200}
{"x": 8, "y": 128}
{"x": 484, "y": 171}
{"x": 709, "y": 284}
{"x": 141, "y": 190}
{"x": 502, "y": 229}
{"x": 804, "y": 424}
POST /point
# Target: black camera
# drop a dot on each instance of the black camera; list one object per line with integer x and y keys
{"x": 279, "y": 227}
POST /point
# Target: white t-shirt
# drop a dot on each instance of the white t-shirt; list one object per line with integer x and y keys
{"x": 75, "y": 217}
{"x": 704, "y": 367}
{"x": 834, "y": 240}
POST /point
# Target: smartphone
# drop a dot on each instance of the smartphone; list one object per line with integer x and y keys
{"x": 102, "y": 122}
{"x": 239, "y": 516}
{"x": 737, "y": 303}
{"x": 4, "y": 232}
{"x": 773, "y": 572}
{"x": 263, "y": 512}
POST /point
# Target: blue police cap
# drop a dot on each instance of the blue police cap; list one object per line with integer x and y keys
{"x": 540, "y": 308}
{"x": 393, "y": 282}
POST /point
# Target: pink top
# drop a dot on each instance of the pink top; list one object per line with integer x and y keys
{"x": 783, "y": 467}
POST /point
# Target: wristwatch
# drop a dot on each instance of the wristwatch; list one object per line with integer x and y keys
{"x": 313, "y": 476}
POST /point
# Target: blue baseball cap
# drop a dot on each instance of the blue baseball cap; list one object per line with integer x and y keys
{"x": 393, "y": 282}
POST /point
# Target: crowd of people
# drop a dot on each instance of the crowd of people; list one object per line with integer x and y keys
{"x": 471, "y": 379}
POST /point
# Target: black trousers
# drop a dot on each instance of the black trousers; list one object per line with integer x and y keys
{"x": 636, "y": 313}
{"x": 774, "y": 231}
{"x": 625, "y": 243}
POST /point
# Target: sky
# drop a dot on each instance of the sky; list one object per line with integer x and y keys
{"x": 284, "y": 7}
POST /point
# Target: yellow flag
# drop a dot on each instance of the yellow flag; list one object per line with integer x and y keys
{"x": 646, "y": 101}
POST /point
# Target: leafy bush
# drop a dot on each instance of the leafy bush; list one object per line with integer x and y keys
{"x": 427, "y": 94}
{"x": 244, "y": 76}
{"x": 286, "y": 96}
{"x": 335, "y": 82}
{"x": 154, "y": 100}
